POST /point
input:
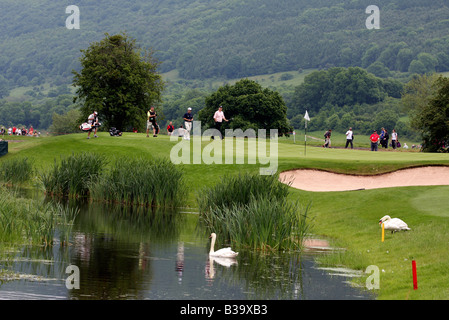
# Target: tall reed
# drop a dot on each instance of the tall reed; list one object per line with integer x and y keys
{"x": 140, "y": 181}
{"x": 16, "y": 171}
{"x": 26, "y": 221}
{"x": 238, "y": 189}
{"x": 73, "y": 174}
{"x": 253, "y": 211}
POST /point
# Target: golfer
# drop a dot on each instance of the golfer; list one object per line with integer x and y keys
{"x": 218, "y": 118}
{"x": 188, "y": 119}
{"x": 93, "y": 121}
{"x": 151, "y": 121}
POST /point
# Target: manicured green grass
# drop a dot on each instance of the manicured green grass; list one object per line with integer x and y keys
{"x": 347, "y": 219}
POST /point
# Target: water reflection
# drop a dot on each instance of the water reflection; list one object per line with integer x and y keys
{"x": 144, "y": 253}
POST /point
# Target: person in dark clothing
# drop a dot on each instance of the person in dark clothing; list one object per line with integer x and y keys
{"x": 385, "y": 138}
{"x": 327, "y": 139}
{"x": 151, "y": 121}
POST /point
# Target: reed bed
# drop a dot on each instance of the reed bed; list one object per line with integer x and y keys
{"x": 140, "y": 181}
{"x": 73, "y": 174}
{"x": 253, "y": 211}
{"x": 238, "y": 190}
{"x": 16, "y": 171}
{"x": 25, "y": 221}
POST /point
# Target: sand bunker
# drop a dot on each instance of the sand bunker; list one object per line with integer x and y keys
{"x": 317, "y": 180}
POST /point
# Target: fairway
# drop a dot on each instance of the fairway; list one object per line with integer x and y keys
{"x": 346, "y": 220}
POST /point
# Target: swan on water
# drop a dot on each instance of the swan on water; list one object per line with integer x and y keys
{"x": 394, "y": 224}
{"x": 223, "y": 253}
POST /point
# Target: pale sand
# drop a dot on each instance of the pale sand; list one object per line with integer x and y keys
{"x": 317, "y": 180}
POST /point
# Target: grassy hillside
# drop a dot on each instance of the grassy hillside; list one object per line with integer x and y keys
{"x": 346, "y": 219}
{"x": 232, "y": 39}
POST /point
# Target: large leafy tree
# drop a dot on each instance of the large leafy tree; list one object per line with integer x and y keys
{"x": 119, "y": 81}
{"x": 433, "y": 119}
{"x": 249, "y": 106}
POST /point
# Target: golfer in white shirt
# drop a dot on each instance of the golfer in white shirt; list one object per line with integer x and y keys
{"x": 349, "y": 138}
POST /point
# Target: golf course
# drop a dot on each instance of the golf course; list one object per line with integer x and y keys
{"x": 347, "y": 220}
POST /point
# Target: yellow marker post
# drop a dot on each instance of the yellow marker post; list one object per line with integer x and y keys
{"x": 383, "y": 232}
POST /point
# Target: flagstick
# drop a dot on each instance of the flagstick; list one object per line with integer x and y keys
{"x": 306, "y": 117}
{"x": 305, "y": 138}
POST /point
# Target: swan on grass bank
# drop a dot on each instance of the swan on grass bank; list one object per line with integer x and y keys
{"x": 394, "y": 224}
{"x": 223, "y": 253}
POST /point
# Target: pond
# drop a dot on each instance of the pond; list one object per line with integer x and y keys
{"x": 139, "y": 254}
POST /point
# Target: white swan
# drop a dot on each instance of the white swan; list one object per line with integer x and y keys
{"x": 394, "y": 224}
{"x": 223, "y": 253}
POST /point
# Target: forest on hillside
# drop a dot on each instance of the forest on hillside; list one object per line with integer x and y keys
{"x": 211, "y": 40}
{"x": 230, "y": 39}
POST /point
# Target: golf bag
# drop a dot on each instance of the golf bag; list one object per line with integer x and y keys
{"x": 114, "y": 132}
{"x": 88, "y": 127}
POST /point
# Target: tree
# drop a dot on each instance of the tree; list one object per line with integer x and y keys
{"x": 417, "y": 95}
{"x": 65, "y": 123}
{"x": 119, "y": 80}
{"x": 249, "y": 106}
{"x": 417, "y": 66}
{"x": 337, "y": 86}
{"x": 433, "y": 120}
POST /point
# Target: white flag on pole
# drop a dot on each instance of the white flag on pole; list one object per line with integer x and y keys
{"x": 307, "y": 116}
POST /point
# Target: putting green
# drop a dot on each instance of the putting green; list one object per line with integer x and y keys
{"x": 437, "y": 197}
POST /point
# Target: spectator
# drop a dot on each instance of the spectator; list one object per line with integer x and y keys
{"x": 394, "y": 139}
{"x": 327, "y": 139}
{"x": 384, "y": 139}
{"x": 374, "y": 138}
{"x": 170, "y": 129}
{"x": 349, "y": 138}
{"x": 181, "y": 131}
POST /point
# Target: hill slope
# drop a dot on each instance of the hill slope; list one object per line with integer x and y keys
{"x": 211, "y": 38}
